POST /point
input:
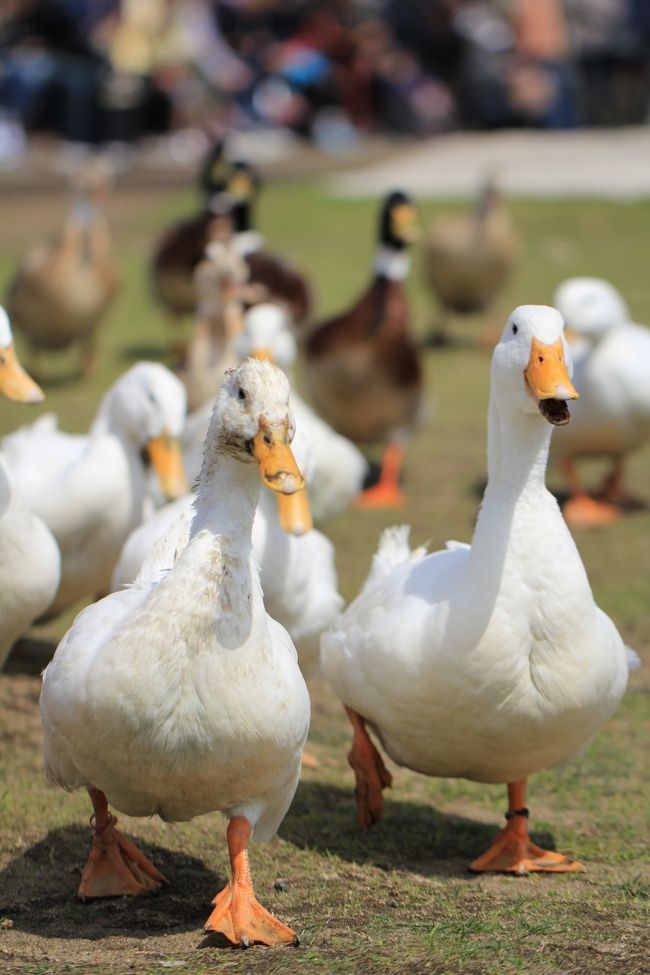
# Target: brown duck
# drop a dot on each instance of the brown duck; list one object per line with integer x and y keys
{"x": 281, "y": 282}
{"x": 362, "y": 367}
{"x": 64, "y": 286}
{"x": 469, "y": 257}
{"x": 182, "y": 246}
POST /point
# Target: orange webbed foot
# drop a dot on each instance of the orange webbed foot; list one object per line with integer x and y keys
{"x": 586, "y": 512}
{"x": 381, "y": 496}
{"x": 240, "y": 918}
{"x": 514, "y": 852}
{"x": 117, "y": 868}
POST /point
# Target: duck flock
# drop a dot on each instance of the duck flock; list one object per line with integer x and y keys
{"x": 181, "y": 689}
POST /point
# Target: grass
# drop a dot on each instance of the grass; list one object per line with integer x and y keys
{"x": 397, "y": 900}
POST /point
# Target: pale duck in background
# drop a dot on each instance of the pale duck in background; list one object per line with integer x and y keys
{"x": 612, "y": 417}
{"x": 98, "y": 493}
{"x": 30, "y": 563}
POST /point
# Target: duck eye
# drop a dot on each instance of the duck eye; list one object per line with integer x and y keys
{"x": 152, "y": 398}
{"x": 540, "y": 358}
{"x": 241, "y": 393}
{"x": 515, "y": 329}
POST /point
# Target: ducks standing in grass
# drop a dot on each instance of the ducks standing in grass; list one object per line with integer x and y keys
{"x": 612, "y": 418}
{"x": 91, "y": 492}
{"x": 30, "y": 563}
{"x": 64, "y": 287}
{"x": 490, "y": 661}
{"x": 469, "y": 257}
{"x": 181, "y": 696}
{"x": 362, "y": 367}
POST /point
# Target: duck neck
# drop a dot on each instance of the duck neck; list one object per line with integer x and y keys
{"x": 518, "y": 446}
{"x": 391, "y": 263}
{"x": 227, "y": 497}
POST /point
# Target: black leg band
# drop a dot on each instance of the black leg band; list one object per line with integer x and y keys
{"x": 517, "y": 812}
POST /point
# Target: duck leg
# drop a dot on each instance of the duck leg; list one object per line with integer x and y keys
{"x": 613, "y": 492}
{"x": 513, "y": 851}
{"x": 386, "y": 492}
{"x": 237, "y": 914}
{"x": 582, "y": 511}
{"x": 371, "y": 774}
{"x": 115, "y": 867}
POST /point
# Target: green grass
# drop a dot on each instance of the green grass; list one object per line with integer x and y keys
{"x": 397, "y": 900}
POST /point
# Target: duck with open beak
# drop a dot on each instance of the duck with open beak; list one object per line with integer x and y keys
{"x": 167, "y": 458}
{"x": 15, "y": 384}
{"x": 548, "y": 381}
{"x": 279, "y": 472}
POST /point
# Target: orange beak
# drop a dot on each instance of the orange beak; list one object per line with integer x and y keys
{"x": 404, "y": 219}
{"x": 277, "y": 465}
{"x": 14, "y": 381}
{"x": 293, "y": 511}
{"x": 546, "y": 373}
{"x": 165, "y": 455}
{"x": 264, "y": 354}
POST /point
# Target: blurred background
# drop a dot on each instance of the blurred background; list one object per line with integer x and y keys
{"x": 333, "y": 72}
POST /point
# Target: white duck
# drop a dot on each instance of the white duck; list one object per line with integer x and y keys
{"x": 181, "y": 696}
{"x": 92, "y": 492}
{"x": 29, "y": 556}
{"x": 613, "y": 416}
{"x": 492, "y": 661}
{"x": 339, "y": 468}
{"x": 297, "y": 566}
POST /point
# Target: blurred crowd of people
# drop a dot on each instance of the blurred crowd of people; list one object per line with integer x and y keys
{"x": 95, "y": 71}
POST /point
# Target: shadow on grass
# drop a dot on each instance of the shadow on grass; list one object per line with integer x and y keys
{"x": 411, "y": 836}
{"x": 30, "y": 656}
{"x": 38, "y": 892}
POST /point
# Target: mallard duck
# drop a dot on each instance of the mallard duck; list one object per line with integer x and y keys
{"x": 30, "y": 563}
{"x": 491, "y": 661}
{"x": 470, "y": 256}
{"x": 182, "y": 245}
{"x": 91, "y": 492}
{"x": 64, "y": 287}
{"x": 181, "y": 696}
{"x": 612, "y": 417}
{"x": 277, "y": 280}
{"x": 362, "y": 367}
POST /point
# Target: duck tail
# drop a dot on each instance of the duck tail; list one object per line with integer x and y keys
{"x": 633, "y": 659}
{"x": 393, "y": 550}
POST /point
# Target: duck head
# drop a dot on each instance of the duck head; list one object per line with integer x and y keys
{"x": 267, "y": 335}
{"x": 532, "y": 363}
{"x": 253, "y": 423}
{"x": 398, "y": 221}
{"x": 149, "y": 404}
{"x": 15, "y": 384}
{"x": 590, "y": 306}
{"x": 242, "y": 186}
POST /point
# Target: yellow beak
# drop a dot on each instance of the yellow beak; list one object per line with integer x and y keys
{"x": 277, "y": 465}
{"x": 293, "y": 511}
{"x": 165, "y": 455}
{"x": 404, "y": 219}
{"x": 14, "y": 381}
{"x": 264, "y": 354}
{"x": 546, "y": 372}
